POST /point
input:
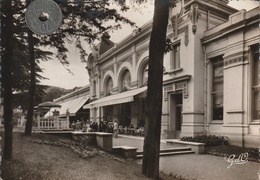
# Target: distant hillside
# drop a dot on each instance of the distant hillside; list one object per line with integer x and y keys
{"x": 53, "y": 92}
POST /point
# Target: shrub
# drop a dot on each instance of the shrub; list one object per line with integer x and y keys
{"x": 209, "y": 140}
{"x": 87, "y": 140}
{"x": 253, "y": 151}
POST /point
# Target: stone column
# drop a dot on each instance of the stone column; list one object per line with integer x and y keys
{"x": 68, "y": 119}
{"x": 38, "y": 121}
{"x": 56, "y": 118}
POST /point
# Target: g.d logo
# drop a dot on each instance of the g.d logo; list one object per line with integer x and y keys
{"x": 43, "y": 16}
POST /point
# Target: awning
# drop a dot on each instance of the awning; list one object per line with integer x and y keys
{"x": 119, "y": 98}
{"x": 72, "y": 106}
{"x": 77, "y": 104}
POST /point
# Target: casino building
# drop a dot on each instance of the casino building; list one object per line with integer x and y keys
{"x": 211, "y": 81}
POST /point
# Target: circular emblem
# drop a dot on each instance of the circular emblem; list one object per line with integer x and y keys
{"x": 43, "y": 16}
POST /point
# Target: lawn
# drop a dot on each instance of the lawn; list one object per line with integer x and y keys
{"x": 49, "y": 157}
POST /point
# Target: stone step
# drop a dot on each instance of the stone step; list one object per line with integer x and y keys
{"x": 170, "y": 151}
{"x": 176, "y": 153}
{"x": 176, "y": 149}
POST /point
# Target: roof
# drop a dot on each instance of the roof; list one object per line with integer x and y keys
{"x": 71, "y": 106}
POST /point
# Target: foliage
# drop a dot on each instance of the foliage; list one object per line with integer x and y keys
{"x": 83, "y": 140}
{"x": 54, "y": 93}
{"x": 78, "y": 148}
{"x": 209, "y": 140}
{"x": 21, "y": 75}
{"x": 83, "y": 21}
{"x": 168, "y": 46}
{"x": 228, "y": 150}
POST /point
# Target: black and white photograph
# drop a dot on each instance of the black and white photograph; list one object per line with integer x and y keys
{"x": 130, "y": 90}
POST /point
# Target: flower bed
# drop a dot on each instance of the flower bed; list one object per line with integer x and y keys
{"x": 209, "y": 140}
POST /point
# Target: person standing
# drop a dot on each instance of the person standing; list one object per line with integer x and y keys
{"x": 115, "y": 129}
{"x": 78, "y": 124}
{"x": 73, "y": 125}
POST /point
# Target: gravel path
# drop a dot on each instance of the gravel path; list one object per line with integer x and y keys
{"x": 208, "y": 167}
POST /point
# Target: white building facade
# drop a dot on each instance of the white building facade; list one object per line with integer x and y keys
{"x": 211, "y": 75}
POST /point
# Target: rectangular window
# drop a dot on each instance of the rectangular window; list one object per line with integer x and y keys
{"x": 217, "y": 87}
{"x": 175, "y": 62}
{"x": 256, "y": 81}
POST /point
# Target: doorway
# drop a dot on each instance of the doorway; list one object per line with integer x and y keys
{"x": 108, "y": 113}
{"x": 125, "y": 119}
{"x": 176, "y": 108}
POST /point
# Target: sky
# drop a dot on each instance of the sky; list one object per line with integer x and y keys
{"x": 60, "y": 77}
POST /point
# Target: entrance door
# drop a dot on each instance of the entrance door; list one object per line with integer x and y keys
{"x": 126, "y": 115}
{"x": 178, "y": 114}
{"x": 175, "y": 115}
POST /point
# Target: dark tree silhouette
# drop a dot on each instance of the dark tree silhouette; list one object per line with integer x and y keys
{"x": 7, "y": 59}
{"x": 84, "y": 20}
{"x": 157, "y": 48}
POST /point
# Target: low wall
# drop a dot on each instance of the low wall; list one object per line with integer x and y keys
{"x": 102, "y": 140}
{"x": 126, "y": 151}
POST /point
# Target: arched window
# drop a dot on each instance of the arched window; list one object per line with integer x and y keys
{"x": 145, "y": 74}
{"x": 109, "y": 86}
{"x": 126, "y": 80}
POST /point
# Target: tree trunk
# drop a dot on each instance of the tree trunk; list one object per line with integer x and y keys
{"x": 7, "y": 59}
{"x": 150, "y": 165}
{"x": 29, "y": 122}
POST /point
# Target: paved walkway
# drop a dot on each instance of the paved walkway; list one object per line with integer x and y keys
{"x": 202, "y": 167}
{"x": 135, "y": 141}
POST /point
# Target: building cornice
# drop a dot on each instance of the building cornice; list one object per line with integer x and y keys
{"x": 215, "y": 6}
{"x": 177, "y": 79}
{"x": 137, "y": 36}
{"x": 238, "y": 21}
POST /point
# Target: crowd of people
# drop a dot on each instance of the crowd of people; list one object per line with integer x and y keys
{"x": 109, "y": 127}
{"x": 90, "y": 126}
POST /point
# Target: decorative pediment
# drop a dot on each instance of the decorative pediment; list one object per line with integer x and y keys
{"x": 194, "y": 16}
{"x": 177, "y": 84}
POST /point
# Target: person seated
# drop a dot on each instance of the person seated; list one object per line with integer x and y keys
{"x": 131, "y": 129}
